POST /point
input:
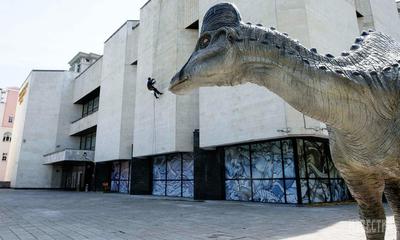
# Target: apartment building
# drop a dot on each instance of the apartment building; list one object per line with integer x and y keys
{"x": 104, "y": 128}
{"x": 8, "y": 103}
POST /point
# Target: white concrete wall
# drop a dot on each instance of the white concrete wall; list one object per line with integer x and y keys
{"x": 385, "y": 17}
{"x": 87, "y": 81}
{"x": 41, "y": 107}
{"x": 116, "y": 107}
{"x": 68, "y": 113}
{"x": 167, "y": 124}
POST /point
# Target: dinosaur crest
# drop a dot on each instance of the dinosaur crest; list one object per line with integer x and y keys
{"x": 221, "y": 15}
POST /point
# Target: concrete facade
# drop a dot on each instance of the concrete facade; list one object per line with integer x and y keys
{"x": 40, "y": 105}
{"x": 166, "y": 124}
{"x": 102, "y": 106}
{"x": 117, "y": 95}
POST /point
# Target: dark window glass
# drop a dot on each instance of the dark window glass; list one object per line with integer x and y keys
{"x": 84, "y": 110}
{"x": 90, "y": 106}
{"x": 93, "y": 145}
{"x": 95, "y": 104}
{"x": 88, "y": 142}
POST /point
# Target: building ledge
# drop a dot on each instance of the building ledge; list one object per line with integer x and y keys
{"x": 69, "y": 155}
{"x": 82, "y": 124}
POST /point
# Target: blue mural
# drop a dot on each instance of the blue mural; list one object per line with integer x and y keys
{"x": 159, "y": 188}
{"x": 187, "y": 189}
{"x": 237, "y": 162}
{"x": 238, "y": 190}
{"x": 124, "y": 187}
{"x": 174, "y": 188}
{"x": 115, "y": 171}
{"x": 267, "y": 160}
{"x": 159, "y": 168}
{"x": 188, "y": 166}
{"x": 304, "y": 191}
{"x": 291, "y": 191}
{"x": 124, "y": 174}
{"x": 174, "y": 167}
{"x": 319, "y": 190}
{"x": 339, "y": 190}
{"x": 264, "y": 175}
{"x": 288, "y": 158}
{"x": 173, "y": 175}
{"x": 321, "y": 181}
{"x": 114, "y": 186}
{"x": 120, "y": 177}
{"x": 272, "y": 191}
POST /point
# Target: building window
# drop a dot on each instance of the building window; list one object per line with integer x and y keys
{"x": 4, "y": 158}
{"x": 7, "y": 137}
{"x": 10, "y": 119}
{"x": 173, "y": 175}
{"x": 90, "y": 106}
{"x": 266, "y": 172}
{"x": 88, "y": 141}
{"x": 120, "y": 177}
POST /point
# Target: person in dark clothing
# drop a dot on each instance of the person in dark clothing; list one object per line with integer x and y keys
{"x": 151, "y": 87}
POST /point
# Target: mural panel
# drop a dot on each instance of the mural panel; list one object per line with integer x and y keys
{"x": 120, "y": 177}
{"x": 188, "y": 166}
{"x": 319, "y": 191}
{"x": 173, "y": 175}
{"x": 339, "y": 190}
{"x": 115, "y": 172}
{"x": 288, "y": 158}
{"x": 238, "y": 190}
{"x": 237, "y": 162}
{"x": 174, "y": 167}
{"x": 159, "y": 188}
{"x": 114, "y": 186}
{"x": 266, "y": 160}
{"x": 159, "y": 168}
{"x": 187, "y": 189}
{"x": 316, "y": 159}
{"x": 291, "y": 191}
{"x": 272, "y": 191}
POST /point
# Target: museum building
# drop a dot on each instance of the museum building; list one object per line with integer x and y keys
{"x": 105, "y": 130}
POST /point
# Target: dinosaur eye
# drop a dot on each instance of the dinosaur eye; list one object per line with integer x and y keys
{"x": 204, "y": 42}
{"x": 230, "y": 38}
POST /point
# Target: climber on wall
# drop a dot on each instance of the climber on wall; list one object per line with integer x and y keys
{"x": 151, "y": 87}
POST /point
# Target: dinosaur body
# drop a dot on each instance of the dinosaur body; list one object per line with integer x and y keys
{"x": 357, "y": 94}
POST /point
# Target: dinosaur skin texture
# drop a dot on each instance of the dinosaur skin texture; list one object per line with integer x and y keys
{"x": 356, "y": 94}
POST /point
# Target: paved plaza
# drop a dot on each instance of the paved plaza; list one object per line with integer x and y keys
{"x": 70, "y": 215}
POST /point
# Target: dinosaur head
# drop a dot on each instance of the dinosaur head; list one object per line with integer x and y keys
{"x": 214, "y": 58}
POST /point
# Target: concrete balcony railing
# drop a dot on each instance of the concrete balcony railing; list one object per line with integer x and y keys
{"x": 83, "y": 124}
{"x": 70, "y": 155}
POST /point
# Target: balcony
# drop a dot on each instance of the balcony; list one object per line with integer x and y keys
{"x": 69, "y": 155}
{"x": 83, "y": 124}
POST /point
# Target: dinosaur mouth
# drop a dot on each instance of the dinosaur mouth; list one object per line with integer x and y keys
{"x": 179, "y": 84}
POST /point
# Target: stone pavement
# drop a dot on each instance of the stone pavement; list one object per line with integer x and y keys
{"x": 71, "y": 215}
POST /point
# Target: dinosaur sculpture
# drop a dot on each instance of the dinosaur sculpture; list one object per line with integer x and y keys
{"x": 356, "y": 94}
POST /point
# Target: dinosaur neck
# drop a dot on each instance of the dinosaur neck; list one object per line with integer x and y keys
{"x": 293, "y": 72}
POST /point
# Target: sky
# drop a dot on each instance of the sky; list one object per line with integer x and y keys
{"x": 46, "y": 34}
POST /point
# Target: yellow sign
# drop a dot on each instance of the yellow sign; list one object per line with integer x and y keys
{"x": 22, "y": 93}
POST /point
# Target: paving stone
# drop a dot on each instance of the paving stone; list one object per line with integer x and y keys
{"x": 61, "y": 215}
